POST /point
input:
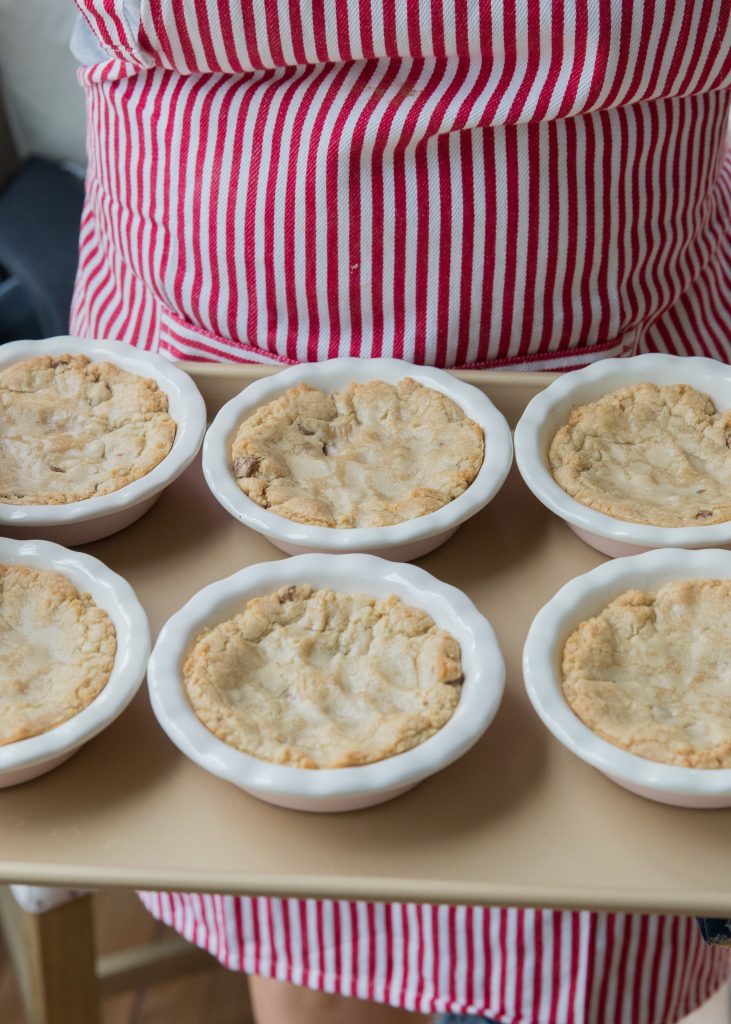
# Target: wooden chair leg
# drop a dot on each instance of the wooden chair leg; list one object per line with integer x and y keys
{"x": 53, "y": 956}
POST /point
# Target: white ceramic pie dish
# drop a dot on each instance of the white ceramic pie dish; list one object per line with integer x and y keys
{"x": 36, "y": 755}
{"x": 81, "y": 522}
{"x": 403, "y": 541}
{"x": 549, "y": 411}
{"x": 579, "y": 600}
{"x": 336, "y": 789}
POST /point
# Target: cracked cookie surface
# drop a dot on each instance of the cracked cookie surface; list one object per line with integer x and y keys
{"x": 72, "y": 429}
{"x": 57, "y": 650}
{"x": 647, "y": 454}
{"x": 652, "y": 673}
{"x": 373, "y": 454}
{"x": 320, "y": 679}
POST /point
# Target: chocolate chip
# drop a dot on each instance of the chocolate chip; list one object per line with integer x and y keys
{"x": 245, "y": 467}
{"x": 287, "y": 595}
{"x": 701, "y": 490}
{"x": 56, "y": 469}
{"x": 305, "y": 430}
{"x": 704, "y": 513}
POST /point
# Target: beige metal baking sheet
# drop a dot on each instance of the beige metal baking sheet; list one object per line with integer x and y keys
{"x": 518, "y": 821}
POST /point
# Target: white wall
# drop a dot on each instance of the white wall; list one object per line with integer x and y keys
{"x": 42, "y": 99}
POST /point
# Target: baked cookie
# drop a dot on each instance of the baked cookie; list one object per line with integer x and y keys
{"x": 72, "y": 429}
{"x": 652, "y": 673}
{"x": 648, "y": 454}
{"x": 373, "y": 454}
{"x": 319, "y": 679}
{"x": 57, "y": 651}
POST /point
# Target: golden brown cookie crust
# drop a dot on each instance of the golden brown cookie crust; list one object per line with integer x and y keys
{"x": 373, "y": 454}
{"x": 652, "y": 673}
{"x": 73, "y": 429}
{"x": 57, "y": 651}
{"x": 648, "y": 454}
{"x": 319, "y": 679}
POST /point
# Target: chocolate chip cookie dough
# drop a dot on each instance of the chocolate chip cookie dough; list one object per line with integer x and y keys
{"x": 319, "y": 679}
{"x": 57, "y": 650}
{"x": 652, "y": 673}
{"x": 71, "y": 429}
{"x": 648, "y": 454}
{"x": 373, "y": 454}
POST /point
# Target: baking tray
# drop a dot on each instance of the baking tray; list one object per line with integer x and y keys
{"x": 518, "y": 821}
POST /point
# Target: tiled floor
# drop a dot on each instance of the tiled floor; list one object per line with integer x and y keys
{"x": 210, "y": 997}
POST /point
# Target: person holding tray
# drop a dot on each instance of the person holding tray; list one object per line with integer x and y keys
{"x": 464, "y": 184}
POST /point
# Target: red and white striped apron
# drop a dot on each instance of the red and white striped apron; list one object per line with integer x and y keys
{"x": 497, "y": 183}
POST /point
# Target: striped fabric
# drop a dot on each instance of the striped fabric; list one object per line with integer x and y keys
{"x": 510, "y": 965}
{"x": 292, "y": 180}
{"x": 527, "y": 185}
